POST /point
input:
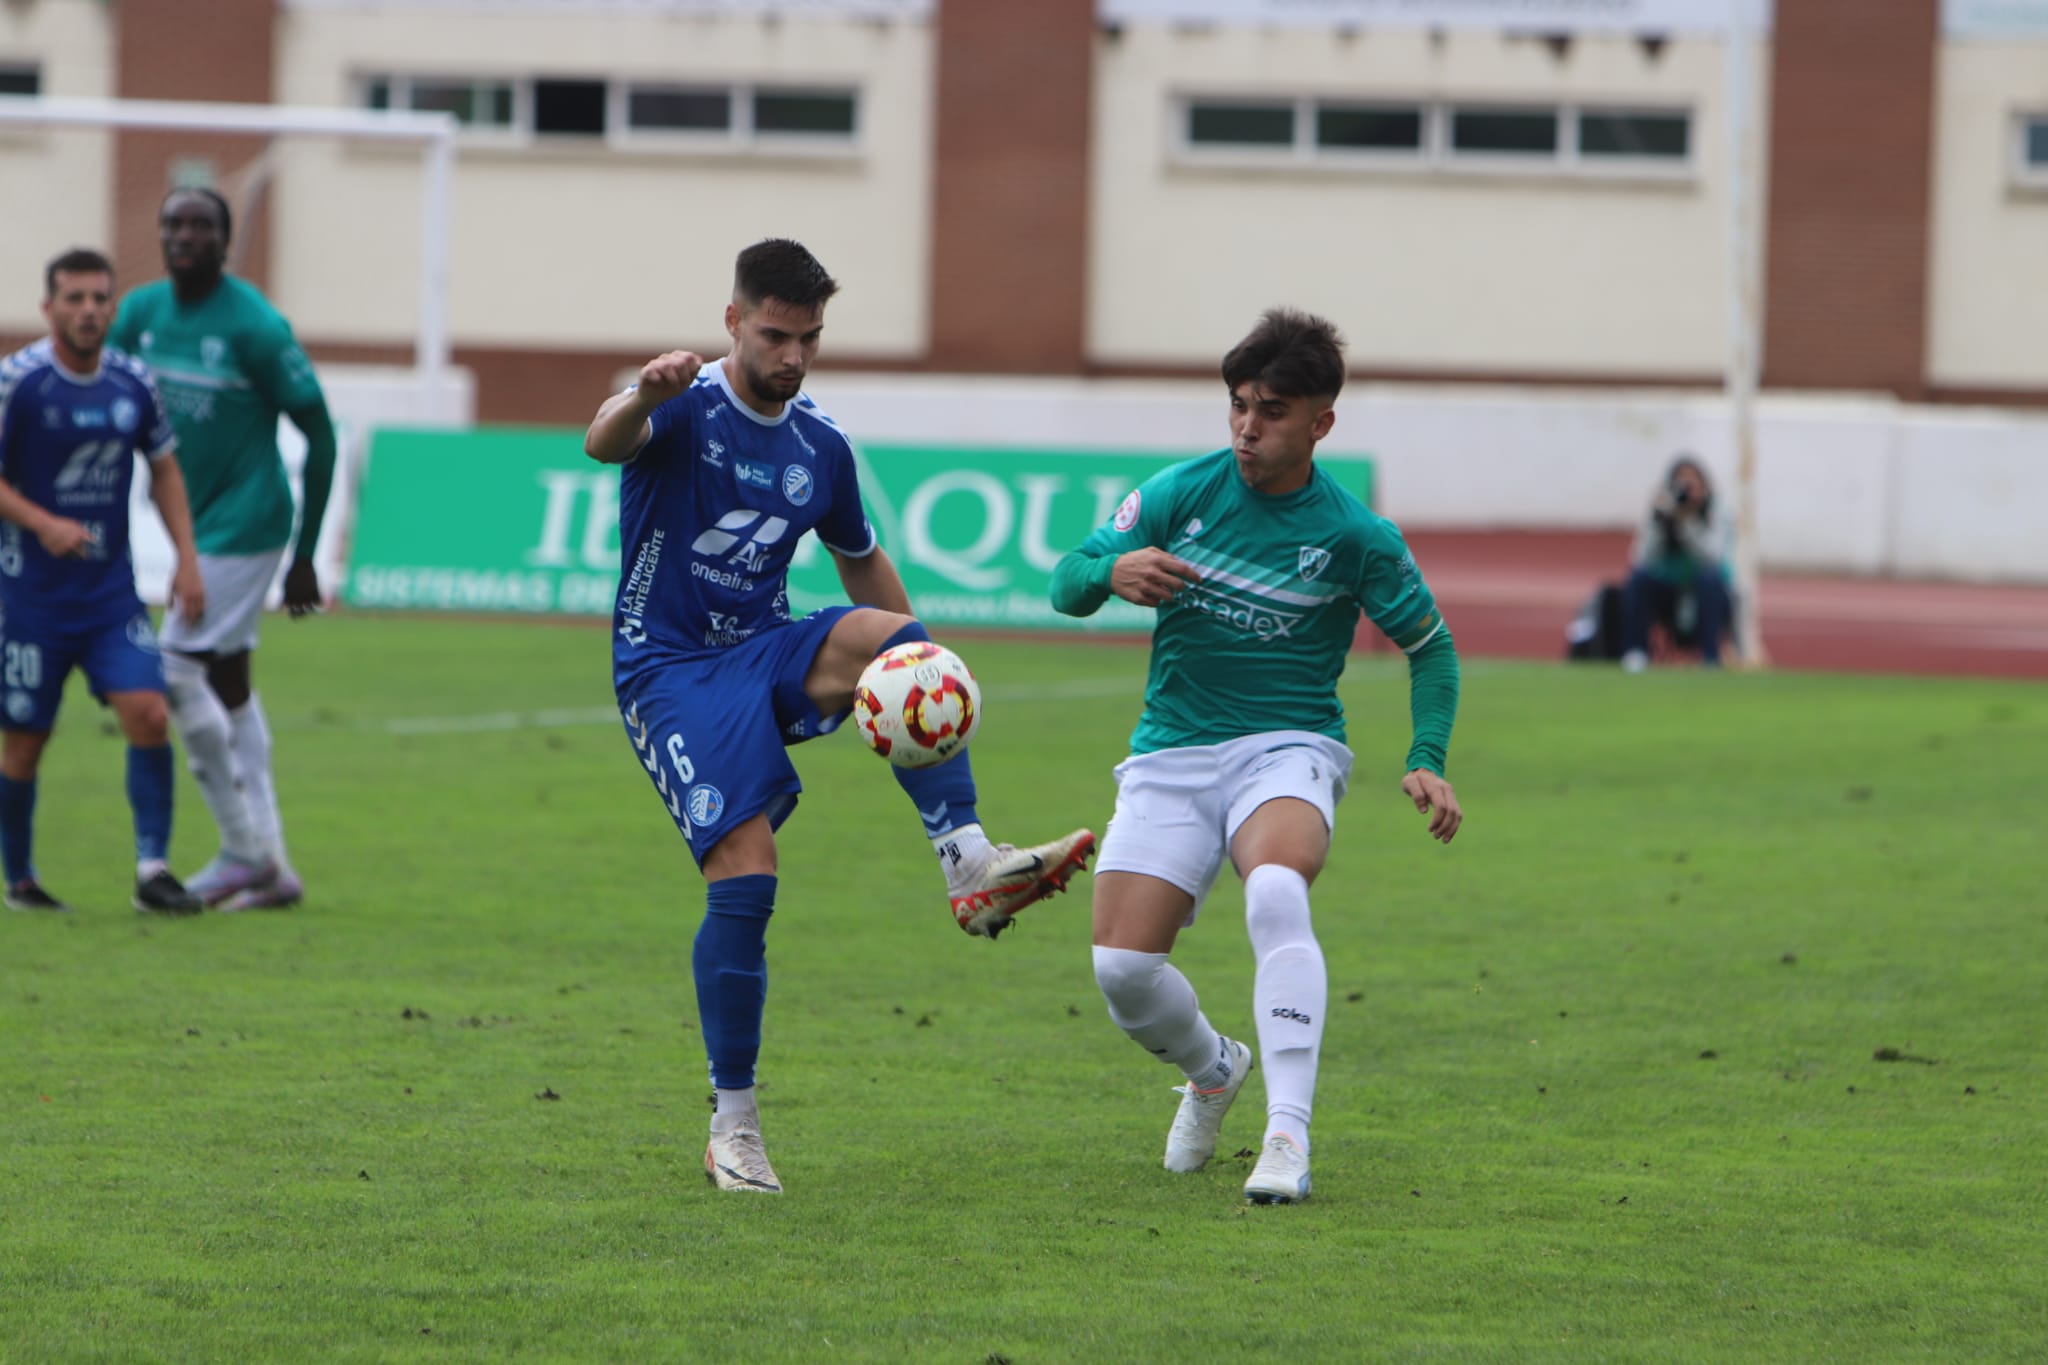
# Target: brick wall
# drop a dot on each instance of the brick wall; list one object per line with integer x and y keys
{"x": 221, "y": 50}
{"x": 1846, "y": 256}
{"x": 1010, "y": 185}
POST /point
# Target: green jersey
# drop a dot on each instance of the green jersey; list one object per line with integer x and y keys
{"x": 1259, "y": 642}
{"x": 228, "y": 366}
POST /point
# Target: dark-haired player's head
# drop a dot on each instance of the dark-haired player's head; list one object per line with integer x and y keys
{"x": 78, "y": 303}
{"x": 193, "y": 226}
{"x": 1283, "y": 379}
{"x": 776, "y": 318}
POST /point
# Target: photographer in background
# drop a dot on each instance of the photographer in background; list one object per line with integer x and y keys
{"x": 1679, "y": 568}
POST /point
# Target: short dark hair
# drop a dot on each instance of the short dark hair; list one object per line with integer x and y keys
{"x": 80, "y": 260}
{"x": 1295, "y": 354}
{"x": 781, "y": 269}
{"x": 220, "y": 204}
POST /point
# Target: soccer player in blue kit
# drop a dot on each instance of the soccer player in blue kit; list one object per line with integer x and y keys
{"x": 74, "y": 414}
{"x": 727, "y": 464}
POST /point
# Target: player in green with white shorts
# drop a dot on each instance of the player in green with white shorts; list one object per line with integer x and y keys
{"x": 227, "y": 365}
{"x": 1260, "y": 565}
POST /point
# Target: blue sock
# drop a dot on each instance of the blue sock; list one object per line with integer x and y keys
{"x": 17, "y": 828}
{"x": 730, "y": 962}
{"x": 944, "y": 796}
{"x": 149, "y": 796}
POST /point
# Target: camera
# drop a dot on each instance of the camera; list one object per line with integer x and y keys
{"x": 1681, "y": 492}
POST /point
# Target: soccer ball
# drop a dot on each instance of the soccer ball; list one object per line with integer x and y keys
{"x": 916, "y": 704}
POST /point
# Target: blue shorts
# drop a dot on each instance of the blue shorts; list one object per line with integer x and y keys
{"x": 118, "y": 655}
{"x": 711, "y": 728}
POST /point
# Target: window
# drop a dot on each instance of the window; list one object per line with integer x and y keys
{"x": 1368, "y": 128}
{"x": 1504, "y": 132}
{"x": 1666, "y": 137}
{"x": 678, "y": 109}
{"x": 569, "y": 108}
{"x": 716, "y": 117}
{"x": 475, "y": 103}
{"x": 1353, "y": 133}
{"x": 818, "y": 113}
{"x": 2033, "y": 148}
{"x": 1219, "y": 124}
{"x": 20, "y": 80}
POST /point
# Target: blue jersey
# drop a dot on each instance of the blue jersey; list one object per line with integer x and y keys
{"x": 710, "y": 512}
{"x": 68, "y": 444}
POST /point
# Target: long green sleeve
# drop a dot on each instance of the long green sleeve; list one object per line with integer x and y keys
{"x": 1432, "y": 701}
{"x": 1080, "y": 583}
{"x": 318, "y": 429}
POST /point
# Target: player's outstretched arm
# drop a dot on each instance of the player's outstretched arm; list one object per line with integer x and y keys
{"x": 871, "y": 580}
{"x": 621, "y": 426}
{"x": 167, "y": 491}
{"x": 60, "y": 536}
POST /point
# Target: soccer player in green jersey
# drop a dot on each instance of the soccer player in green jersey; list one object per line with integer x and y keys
{"x": 1259, "y": 564}
{"x": 227, "y": 364}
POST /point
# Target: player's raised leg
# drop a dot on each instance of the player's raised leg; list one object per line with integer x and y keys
{"x": 1283, "y": 844}
{"x": 987, "y": 883}
{"x": 145, "y": 721}
{"x": 1137, "y": 918}
{"x": 21, "y": 752}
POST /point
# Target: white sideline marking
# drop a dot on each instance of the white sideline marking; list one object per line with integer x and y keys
{"x": 560, "y": 718}
{"x": 498, "y": 720}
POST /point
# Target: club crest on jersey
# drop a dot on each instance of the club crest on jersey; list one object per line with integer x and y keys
{"x": 1126, "y": 513}
{"x": 213, "y": 352}
{"x": 125, "y": 414}
{"x": 1313, "y": 561}
{"x": 797, "y": 484}
{"x": 707, "y": 803}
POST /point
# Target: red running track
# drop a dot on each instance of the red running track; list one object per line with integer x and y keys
{"x": 1510, "y": 593}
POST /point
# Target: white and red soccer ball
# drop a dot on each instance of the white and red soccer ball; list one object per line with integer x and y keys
{"x": 916, "y": 704}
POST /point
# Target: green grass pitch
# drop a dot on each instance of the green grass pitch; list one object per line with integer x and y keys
{"x": 1604, "y": 1080}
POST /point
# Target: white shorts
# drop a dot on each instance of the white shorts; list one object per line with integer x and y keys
{"x": 1178, "y": 809}
{"x": 236, "y": 586}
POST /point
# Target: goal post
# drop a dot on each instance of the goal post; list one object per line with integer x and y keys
{"x": 359, "y": 398}
{"x": 434, "y": 133}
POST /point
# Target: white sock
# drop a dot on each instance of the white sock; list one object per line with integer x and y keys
{"x": 208, "y": 737}
{"x": 252, "y": 754}
{"x": 734, "y": 1109}
{"x": 1150, "y": 1000}
{"x": 962, "y": 851}
{"x": 145, "y": 868}
{"x": 1290, "y": 992}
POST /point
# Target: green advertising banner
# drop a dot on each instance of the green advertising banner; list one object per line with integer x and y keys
{"x": 516, "y": 519}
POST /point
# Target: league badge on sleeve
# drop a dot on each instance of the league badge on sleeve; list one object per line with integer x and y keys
{"x": 1126, "y": 513}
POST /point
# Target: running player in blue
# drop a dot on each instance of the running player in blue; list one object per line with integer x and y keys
{"x": 74, "y": 414}
{"x": 727, "y": 464}
{"x": 1260, "y": 565}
